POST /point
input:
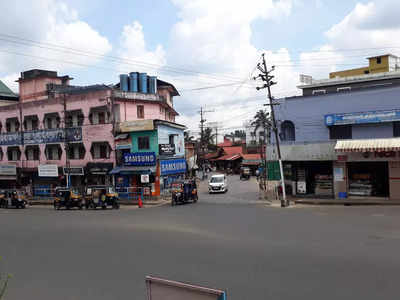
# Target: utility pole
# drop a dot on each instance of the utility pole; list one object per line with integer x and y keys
{"x": 202, "y": 146}
{"x": 267, "y": 78}
{"x": 66, "y": 142}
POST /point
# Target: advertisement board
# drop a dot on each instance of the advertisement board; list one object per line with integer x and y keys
{"x": 8, "y": 170}
{"x": 166, "y": 149}
{"x": 45, "y": 136}
{"x": 165, "y": 132}
{"x": 132, "y": 126}
{"x": 48, "y": 170}
{"x": 77, "y": 171}
{"x": 377, "y": 116}
{"x": 145, "y": 178}
{"x": 140, "y": 159}
{"x": 173, "y": 166}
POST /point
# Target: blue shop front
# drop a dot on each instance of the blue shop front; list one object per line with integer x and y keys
{"x": 171, "y": 170}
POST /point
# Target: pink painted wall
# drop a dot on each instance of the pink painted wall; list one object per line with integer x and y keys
{"x": 128, "y": 111}
{"x": 35, "y": 102}
{"x": 35, "y": 89}
{"x": 90, "y": 133}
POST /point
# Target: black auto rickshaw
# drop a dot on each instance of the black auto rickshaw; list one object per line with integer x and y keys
{"x": 244, "y": 173}
{"x": 101, "y": 196}
{"x": 13, "y": 198}
{"x": 67, "y": 197}
{"x": 184, "y": 192}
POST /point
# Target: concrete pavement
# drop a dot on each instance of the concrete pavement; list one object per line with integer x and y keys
{"x": 251, "y": 250}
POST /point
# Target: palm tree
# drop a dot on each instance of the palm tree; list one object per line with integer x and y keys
{"x": 188, "y": 137}
{"x": 263, "y": 119}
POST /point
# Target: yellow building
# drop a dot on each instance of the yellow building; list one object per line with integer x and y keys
{"x": 377, "y": 64}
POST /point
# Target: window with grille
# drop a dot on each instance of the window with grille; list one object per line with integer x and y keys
{"x": 53, "y": 152}
{"x": 340, "y": 132}
{"x": 143, "y": 143}
{"x": 140, "y": 112}
{"x": 32, "y": 153}
{"x": 171, "y": 139}
{"x": 100, "y": 150}
{"x": 76, "y": 151}
{"x": 13, "y": 154}
{"x": 288, "y": 131}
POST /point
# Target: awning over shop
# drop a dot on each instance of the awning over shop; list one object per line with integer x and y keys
{"x": 251, "y": 163}
{"x": 251, "y": 159}
{"x": 99, "y": 168}
{"x": 120, "y": 147}
{"x": 127, "y": 170}
{"x": 122, "y": 136}
{"x": 368, "y": 145}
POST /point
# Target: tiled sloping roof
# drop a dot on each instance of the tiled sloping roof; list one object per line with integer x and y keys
{"x": 233, "y": 150}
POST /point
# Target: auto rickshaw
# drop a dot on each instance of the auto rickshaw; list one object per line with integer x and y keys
{"x": 101, "y": 196}
{"x": 67, "y": 197}
{"x": 15, "y": 198}
{"x": 184, "y": 192}
{"x": 244, "y": 173}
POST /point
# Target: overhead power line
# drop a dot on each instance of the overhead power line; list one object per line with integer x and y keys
{"x": 65, "y": 49}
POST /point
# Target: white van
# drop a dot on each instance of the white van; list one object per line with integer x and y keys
{"x": 218, "y": 184}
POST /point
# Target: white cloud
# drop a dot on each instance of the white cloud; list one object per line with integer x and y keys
{"x": 371, "y": 25}
{"x": 49, "y": 22}
{"x": 215, "y": 37}
{"x": 367, "y": 30}
{"x": 133, "y": 48}
{"x": 9, "y": 81}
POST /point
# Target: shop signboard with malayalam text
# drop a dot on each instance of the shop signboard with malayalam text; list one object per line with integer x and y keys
{"x": 140, "y": 159}
{"x": 48, "y": 170}
{"x": 46, "y": 136}
{"x": 76, "y": 171}
{"x": 166, "y": 149}
{"x": 173, "y": 166}
{"x": 8, "y": 170}
{"x": 377, "y": 116}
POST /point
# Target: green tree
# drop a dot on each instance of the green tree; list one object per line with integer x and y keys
{"x": 188, "y": 137}
{"x": 238, "y": 133}
{"x": 262, "y": 119}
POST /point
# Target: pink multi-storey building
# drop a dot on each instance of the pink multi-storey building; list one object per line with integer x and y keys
{"x": 57, "y": 132}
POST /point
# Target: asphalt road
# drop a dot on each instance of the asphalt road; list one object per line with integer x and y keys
{"x": 251, "y": 250}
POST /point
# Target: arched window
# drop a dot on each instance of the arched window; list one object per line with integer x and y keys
{"x": 287, "y": 131}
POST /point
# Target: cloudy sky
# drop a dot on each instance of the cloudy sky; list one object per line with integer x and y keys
{"x": 208, "y": 49}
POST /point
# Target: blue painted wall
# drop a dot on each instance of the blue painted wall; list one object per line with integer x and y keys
{"x": 307, "y": 113}
{"x": 163, "y": 138}
{"x": 368, "y": 131}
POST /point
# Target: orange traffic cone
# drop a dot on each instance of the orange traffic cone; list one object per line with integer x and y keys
{"x": 140, "y": 203}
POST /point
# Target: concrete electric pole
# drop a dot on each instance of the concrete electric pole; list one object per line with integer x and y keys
{"x": 267, "y": 78}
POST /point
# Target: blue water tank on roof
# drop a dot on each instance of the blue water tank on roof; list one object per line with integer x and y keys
{"x": 143, "y": 83}
{"x": 123, "y": 81}
{"x": 152, "y": 84}
{"x": 133, "y": 82}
